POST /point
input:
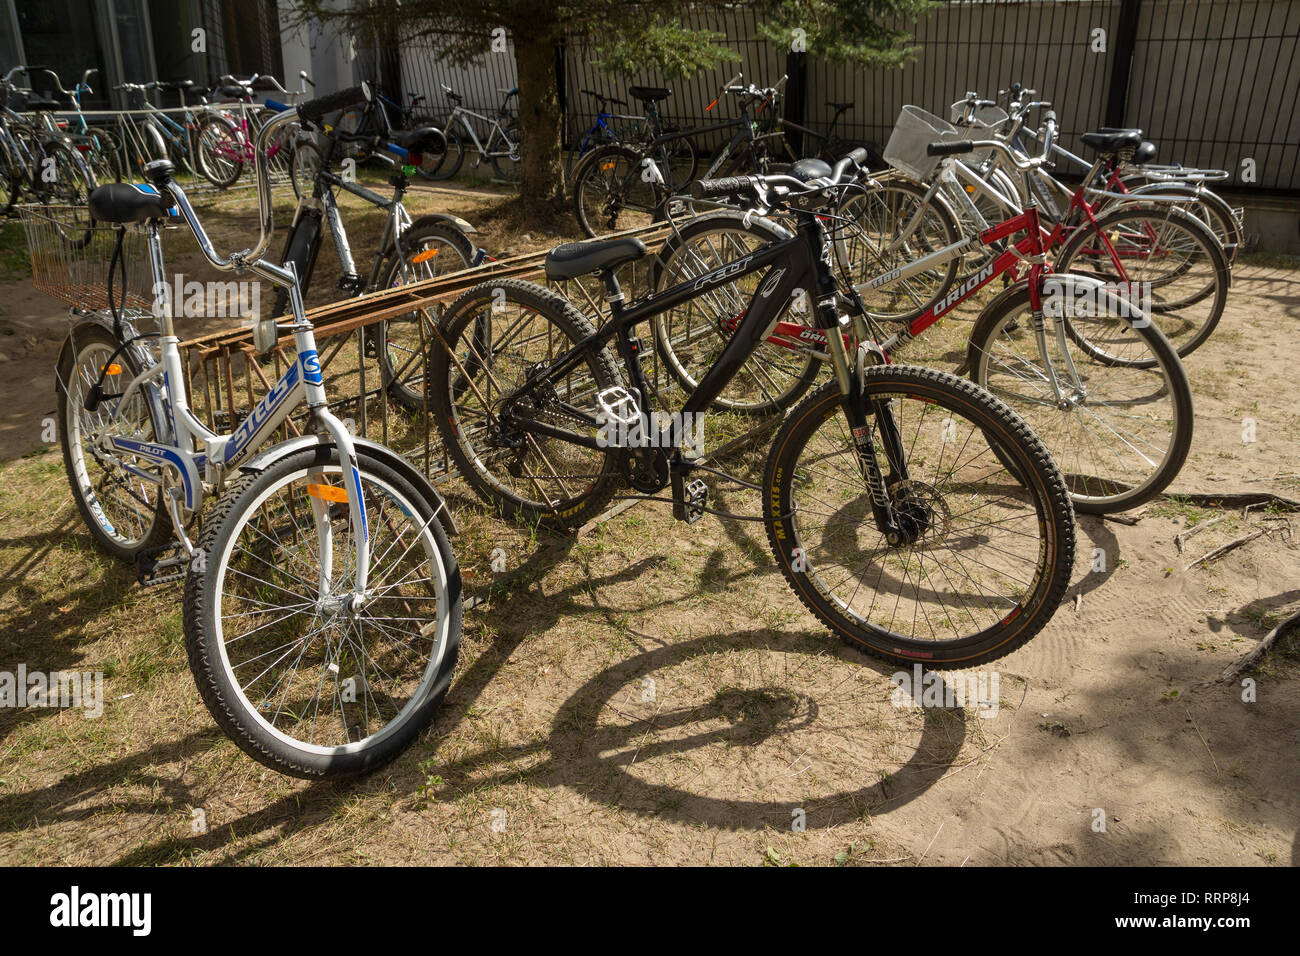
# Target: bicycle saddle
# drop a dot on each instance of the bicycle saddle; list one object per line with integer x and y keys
{"x": 126, "y": 202}
{"x": 176, "y": 85}
{"x": 649, "y": 94}
{"x": 575, "y": 259}
{"x": 1113, "y": 140}
{"x": 840, "y": 106}
{"x": 419, "y": 140}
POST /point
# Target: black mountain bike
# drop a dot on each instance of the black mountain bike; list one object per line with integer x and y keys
{"x": 910, "y": 510}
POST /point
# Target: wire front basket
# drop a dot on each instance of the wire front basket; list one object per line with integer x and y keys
{"x": 71, "y": 255}
{"x": 914, "y": 131}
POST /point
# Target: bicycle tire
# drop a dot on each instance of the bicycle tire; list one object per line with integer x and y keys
{"x": 402, "y": 388}
{"x": 506, "y": 168}
{"x": 271, "y": 737}
{"x": 713, "y": 240}
{"x": 891, "y": 205}
{"x": 790, "y": 506}
{"x": 608, "y": 193}
{"x": 450, "y": 162}
{"x": 455, "y": 396}
{"x": 89, "y": 336}
{"x": 214, "y": 131}
{"x": 1159, "y": 389}
{"x": 1187, "y": 318}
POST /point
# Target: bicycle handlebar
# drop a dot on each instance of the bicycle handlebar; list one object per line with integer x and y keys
{"x": 758, "y": 187}
{"x": 970, "y": 145}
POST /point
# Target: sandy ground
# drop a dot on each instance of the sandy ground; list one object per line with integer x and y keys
{"x": 763, "y": 741}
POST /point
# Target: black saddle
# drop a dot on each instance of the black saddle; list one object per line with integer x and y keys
{"x": 126, "y": 202}
{"x": 649, "y": 94}
{"x": 840, "y": 106}
{"x": 575, "y": 259}
{"x": 423, "y": 139}
{"x": 176, "y": 86}
{"x": 1113, "y": 140}
{"x": 1146, "y": 153}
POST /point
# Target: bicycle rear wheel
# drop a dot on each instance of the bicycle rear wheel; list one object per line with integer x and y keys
{"x": 611, "y": 191}
{"x": 124, "y": 512}
{"x": 497, "y": 336}
{"x": 219, "y": 151}
{"x": 429, "y": 249}
{"x": 1172, "y": 262}
{"x": 305, "y": 672}
{"x": 989, "y": 541}
{"x": 889, "y": 226}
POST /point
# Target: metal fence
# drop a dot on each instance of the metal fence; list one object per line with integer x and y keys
{"x": 1212, "y": 82}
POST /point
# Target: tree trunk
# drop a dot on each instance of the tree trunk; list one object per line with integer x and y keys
{"x": 541, "y": 165}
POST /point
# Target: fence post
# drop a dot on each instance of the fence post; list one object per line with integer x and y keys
{"x": 1121, "y": 66}
{"x": 796, "y": 95}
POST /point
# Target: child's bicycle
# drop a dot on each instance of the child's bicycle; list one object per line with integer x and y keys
{"x": 322, "y": 602}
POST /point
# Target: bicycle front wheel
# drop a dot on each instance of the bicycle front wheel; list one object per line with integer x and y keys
{"x": 691, "y": 337}
{"x": 989, "y": 533}
{"x": 305, "y": 672}
{"x": 1115, "y": 412}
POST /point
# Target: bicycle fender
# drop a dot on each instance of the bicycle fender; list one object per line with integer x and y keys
{"x": 389, "y": 457}
{"x": 456, "y": 221}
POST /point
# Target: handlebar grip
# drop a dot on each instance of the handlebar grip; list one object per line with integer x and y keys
{"x": 396, "y": 150}
{"x": 718, "y": 188}
{"x": 858, "y": 156}
{"x": 276, "y": 106}
{"x": 949, "y": 149}
{"x": 1050, "y": 117}
{"x": 313, "y": 110}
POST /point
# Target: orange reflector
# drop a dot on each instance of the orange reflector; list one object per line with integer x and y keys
{"x": 710, "y": 106}
{"x": 424, "y": 256}
{"x": 113, "y": 369}
{"x": 327, "y": 493}
{"x": 606, "y": 166}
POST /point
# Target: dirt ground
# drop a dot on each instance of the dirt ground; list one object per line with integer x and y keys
{"x": 654, "y": 693}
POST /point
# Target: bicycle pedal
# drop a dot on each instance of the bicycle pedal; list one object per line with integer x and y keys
{"x": 618, "y": 405}
{"x": 152, "y": 569}
{"x": 351, "y": 282}
{"x": 689, "y": 505}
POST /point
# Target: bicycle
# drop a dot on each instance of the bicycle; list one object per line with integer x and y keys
{"x": 1079, "y": 361}
{"x": 322, "y": 601}
{"x": 501, "y": 147}
{"x": 224, "y": 136}
{"x": 37, "y": 158}
{"x": 678, "y": 164}
{"x": 141, "y": 130}
{"x": 385, "y": 116}
{"x": 408, "y": 250}
{"x": 1148, "y": 248}
{"x": 537, "y": 415}
{"x": 97, "y": 145}
{"x": 622, "y": 186}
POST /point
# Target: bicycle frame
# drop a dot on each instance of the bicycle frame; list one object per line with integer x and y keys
{"x": 496, "y": 130}
{"x": 790, "y": 265}
{"x": 201, "y": 459}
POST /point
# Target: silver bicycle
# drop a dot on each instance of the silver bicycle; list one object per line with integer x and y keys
{"x": 322, "y": 601}
{"x": 500, "y": 146}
